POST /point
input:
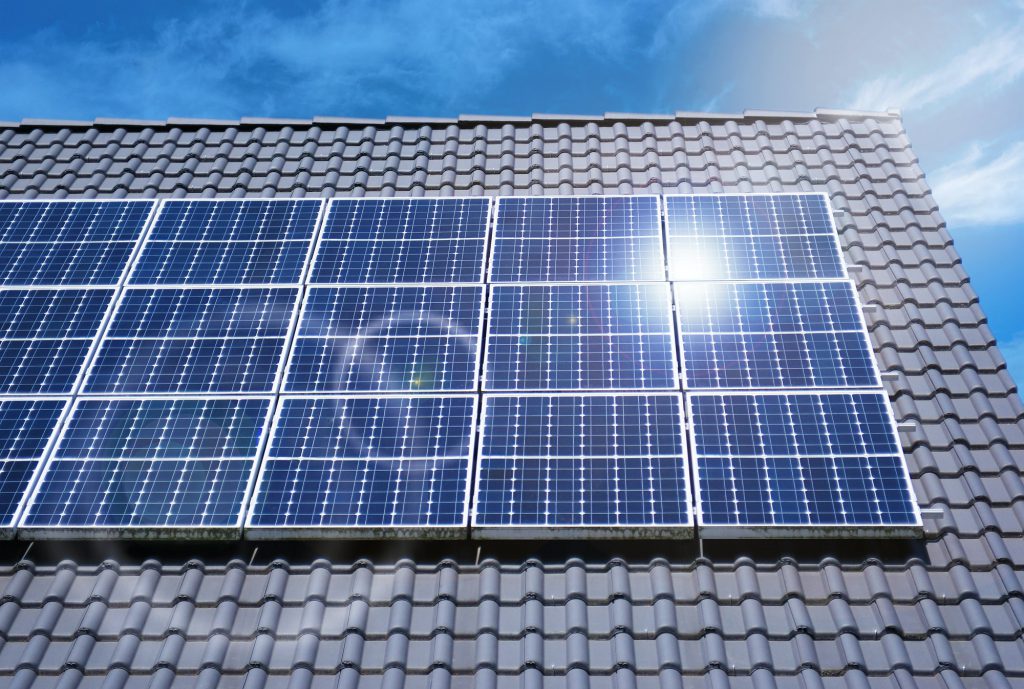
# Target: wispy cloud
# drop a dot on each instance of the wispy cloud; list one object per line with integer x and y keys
{"x": 995, "y": 63}
{"x": 983, "y": 187}
{"x": 782, "y": 9}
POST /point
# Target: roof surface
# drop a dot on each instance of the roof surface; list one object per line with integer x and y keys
{"x": 947, "y": 610}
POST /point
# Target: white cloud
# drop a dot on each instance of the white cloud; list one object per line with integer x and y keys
{"x": 782, "y": 9}
{"x": 996, "y": 62}
{"x": 982, "y": 188}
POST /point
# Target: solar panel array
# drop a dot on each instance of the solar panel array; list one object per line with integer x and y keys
{"x": 302, "y": 368}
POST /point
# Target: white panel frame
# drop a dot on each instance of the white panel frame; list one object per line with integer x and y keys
{"x": 440, "y": 532}
{"x": 561, "y": 531}
{"x": 677, "y": 362}
{"x": 482, "y": 276}
{"x": 661, "y": 234}
{"x": 831, "y": 221}
{"x": 169, "y": 532}
{"x": 831, "y": 531}
{"x": 296, "y": 336}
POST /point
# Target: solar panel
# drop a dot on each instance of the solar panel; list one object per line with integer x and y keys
{"x": 45, "y": 337}
{"x": 68, "y": 242}
{"x": 150, "y": 467}
{"x": 815, "y": 464}
{"x": 366, "y": 467}
{"x": 370, "y": 339}
{"x": 26, "y": 429}
{"x": 559, "y": 466}
{"x": 402, "y": 241}
{"x": 194, "y": 340}
{"x": 773, "y": 335}
{"x": 580, "y": 337}
{"x": 751, "y": 237}
{"x": 251, "y": 241}
{"x": 577, "y": 239}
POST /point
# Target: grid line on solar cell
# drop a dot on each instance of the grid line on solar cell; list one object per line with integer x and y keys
{"x": 577, "y": 239}
{"x": 799, "y": 464}
{"x": 251, "y": 241}
{"x": 384, "y": 241}
{"x": 352, "y": 339}
{"x": 579, "y": 337}
{"x": 773, "y": 335}
{"x": 27, "y": 428}
{"x": 582, "y": 464}
{"x": 366, "y": 466}
{"x": 46, "y": 336}
{"x": 192, "y": 340}
{"x": 150, "y": 467}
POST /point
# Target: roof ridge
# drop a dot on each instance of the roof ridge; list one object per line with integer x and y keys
{"x": 541, "y": 118}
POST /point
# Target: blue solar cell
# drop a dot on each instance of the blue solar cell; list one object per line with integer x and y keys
{"x": 406, "y": 219}
{"x": 157, "y": 366}
{"x": 767, "y": 307}
{"x": 391, "y": 261}
{"x": 59, "y": 314}
{"x": 371, "y": 364}
{"x": 577, "y": 239}
{"x": 236, "y": 219}
{"x": 391, "y": 311}
{"x": 41, "y": 367}
{"x": 73, "y": 221}
{"x": 787, "y": 360}
{"x": 804, "y": 491}
{"x": 204, "y": 313}
{"x": 357, "y": 462}
{"x": 802, "y": 459}
{"x": 721, "y": 215}
{"x": 115, "y": 497}
{"x": 221, "y": 263}
{"x": 63, "y": 263}
{"x": 754, "y": 258}
{"x": 215, "y": 428}
{"x": 15, "y": 478}
{"x": 578, "y": 337}
{"x": 601, "y": 462}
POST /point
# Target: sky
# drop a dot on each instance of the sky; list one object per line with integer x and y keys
{"x": 954, "y": 68}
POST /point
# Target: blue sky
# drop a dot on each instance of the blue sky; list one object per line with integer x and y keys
{"x": 955, "y": 68}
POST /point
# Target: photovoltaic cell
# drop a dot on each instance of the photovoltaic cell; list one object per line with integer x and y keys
{"x": 146, "y": 467}
{"x": 228, "y": 242}
{"x": 577, "y": 239}
{"x": 26, "y": 428}
{"x": 579, "y": 337}
{"x": 68, "y": 242}
{"x": 373, "y": 339}
{"x": 773, "y": 335}
{"x": 799, "y": 464}
{"x": 366, "y": 466}
{"x": 45, "y": 337}
{"x": 194, "y": 340}
{"x": 597, "y": 465}
{"x": 402, "y": 241}
{"x": 751, "y": 237}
